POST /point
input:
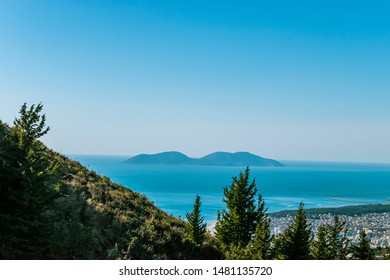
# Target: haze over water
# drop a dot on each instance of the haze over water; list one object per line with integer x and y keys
{"x": 317, "y": 184}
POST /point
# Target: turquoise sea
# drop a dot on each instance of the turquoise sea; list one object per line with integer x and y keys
{"x": 317, "y": 184}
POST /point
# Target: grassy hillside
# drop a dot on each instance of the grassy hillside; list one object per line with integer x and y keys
{"x": 55, "y": 208}
{"x": 130, "y": 225}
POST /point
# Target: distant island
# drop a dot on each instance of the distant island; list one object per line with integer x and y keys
{"x": 214, "y": 159}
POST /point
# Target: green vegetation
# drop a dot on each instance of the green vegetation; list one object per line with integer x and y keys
{"x": 54, "y": 208}
{"x": 362, "y": 250}
{"x": 243, "y": 219}
{"x": 337, "y": 240}
{"x": 331, "y": 241}
{"x": 320, "y": 245}
{"x": 294, "y": 243}
{"x": 260, "y": 246}
{"x": 29, "y": 184}
{"x": 236, "y": 224}
{"x": 196, "y": 225}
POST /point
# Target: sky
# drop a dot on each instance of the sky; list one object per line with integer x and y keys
{"x": 289, "y": 80}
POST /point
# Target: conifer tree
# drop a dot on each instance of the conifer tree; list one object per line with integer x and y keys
{"x": 338, "y": 244}
{"x": 243, "y": 229}
{"x": 237, "y": 223}
{"x": 30, "y": 126}
{"x": 35, "y": 185}
{"x": 27, "y": 184}
{"x": 260, "y": 246}
{"x": 294, "y": 243}
{"x": 320, "y": 247}
{"x": 196, "y": 225}
{"x": 362, "y": 250}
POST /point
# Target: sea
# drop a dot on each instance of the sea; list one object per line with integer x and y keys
{"x": 317, "y": 184}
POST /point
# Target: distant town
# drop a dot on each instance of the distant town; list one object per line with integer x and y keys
{"x": 376, "y": 226}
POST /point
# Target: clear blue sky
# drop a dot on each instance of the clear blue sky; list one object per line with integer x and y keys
{"x": 304, "y": 80}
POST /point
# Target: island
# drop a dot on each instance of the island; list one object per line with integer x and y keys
{"x": 214, "y": 159}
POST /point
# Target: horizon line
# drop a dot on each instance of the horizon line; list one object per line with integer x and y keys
{"x": 281, "y": 160}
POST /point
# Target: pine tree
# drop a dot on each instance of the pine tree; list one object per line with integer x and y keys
{"x": 260, "y": 246}
{"x": 331, "y": 242}
{"x": 28, "y": 185}
{"x": 36, "y": 183}
{"x": 294, "y": 243}
{"x": 362, "y": 250}
{"x": 30, "y": 126}
{"x": 242, "y": 230}
{"x": 337, "y": 240}
{"x": 196, "y": 225}
{"x": 320, "y": 246}
{"x": 237, "y": 223}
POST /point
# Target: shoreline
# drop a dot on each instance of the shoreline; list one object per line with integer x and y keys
{"x": 353, "y": 210}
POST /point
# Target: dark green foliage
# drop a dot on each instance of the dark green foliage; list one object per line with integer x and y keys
{"x": 28, "y": 186}
{"x": 243, "y": 229}
{"x": 30, "y": 126}
{"x": 196, "y": 225}
{"x": 320, "y": 246}
{"x": 294, "y": 243}
{"x": 237, "y": 224}
{"x": 259, "y": 247}
{"x": 362, "y": 250}
{"x": 237, "y": 252}
{"x": 337, "y": 240}
{"x": 331, "y": 242}
{"x": 54, "y": 208}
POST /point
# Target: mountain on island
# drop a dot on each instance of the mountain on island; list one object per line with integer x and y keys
{"x": 214, "y": 159}
{"x": 161, "y": 158}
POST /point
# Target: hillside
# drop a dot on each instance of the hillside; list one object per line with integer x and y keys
{"x": 214, "y": 159}
{"x": 55, "y": 208}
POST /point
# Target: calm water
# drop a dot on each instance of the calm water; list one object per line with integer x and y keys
{"x": 173, "y": 188}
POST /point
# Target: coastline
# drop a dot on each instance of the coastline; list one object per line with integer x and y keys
{"x": 317, "y": 184}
